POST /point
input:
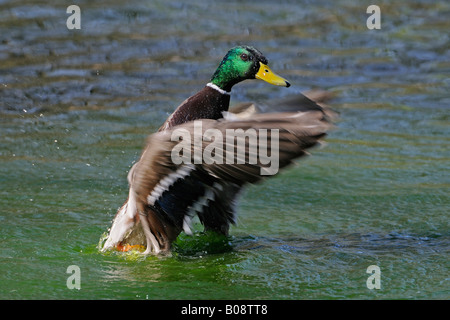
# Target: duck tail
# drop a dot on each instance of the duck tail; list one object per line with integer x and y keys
{"x": 123, "y": 224}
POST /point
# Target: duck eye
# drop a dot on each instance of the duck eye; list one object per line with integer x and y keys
{"x": 244, "y": 57}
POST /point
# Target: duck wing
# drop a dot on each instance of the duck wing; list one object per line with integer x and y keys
{"x": 177, "y": 191}
{"x": 314, "y": 100}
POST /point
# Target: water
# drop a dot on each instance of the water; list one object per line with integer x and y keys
{"x": 76, "y": 106}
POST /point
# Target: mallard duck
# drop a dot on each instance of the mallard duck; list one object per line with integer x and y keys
{"x": 166, "y": 193}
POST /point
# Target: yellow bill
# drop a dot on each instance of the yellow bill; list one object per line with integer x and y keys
{"x": 264, "y": 73}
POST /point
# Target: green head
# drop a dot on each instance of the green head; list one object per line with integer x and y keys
{"x": 241, "y": 63}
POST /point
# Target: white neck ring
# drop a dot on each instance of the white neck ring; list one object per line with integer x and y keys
{"x": 213, "y": 86}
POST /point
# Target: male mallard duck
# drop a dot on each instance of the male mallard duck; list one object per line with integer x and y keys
{"x": 165, "y": 193}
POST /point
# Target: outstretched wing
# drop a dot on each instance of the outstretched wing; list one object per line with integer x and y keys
{"x": 177, "y": 191}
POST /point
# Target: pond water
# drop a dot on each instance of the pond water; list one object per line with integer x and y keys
{"x": 76, "y": 107}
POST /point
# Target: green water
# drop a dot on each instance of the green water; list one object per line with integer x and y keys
{"x": 76, "y": 106}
